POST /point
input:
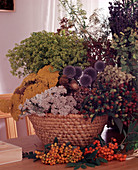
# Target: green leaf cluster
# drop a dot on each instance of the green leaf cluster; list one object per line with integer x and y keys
{"x": 131, "y": 137}
{"x": 95, "y": 26}
{"x": 127, "y": 49}
{"x": 43, "y": 48}
{"x": 30, "y": 155}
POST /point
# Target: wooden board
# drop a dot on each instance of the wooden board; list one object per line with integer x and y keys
{"x": 32, "y": 143}
{"x": 9, "y": 153}
{"x": 5, "y": 97}
{"x": 30, "y": 129}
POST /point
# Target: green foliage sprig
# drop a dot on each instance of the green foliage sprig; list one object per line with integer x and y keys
{"x": 130, "y": 140}
{"x": 127, "y": 49}
{"x": 93, "y": 29}
{"x": 95, "y": 26}
{"x": 43, "y": 48}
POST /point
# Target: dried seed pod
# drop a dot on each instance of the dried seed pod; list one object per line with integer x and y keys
{"x": 85, "y": 80}
{"x": 78, "y": 72}
{"x": 99, "y": 65}
{"x": 69, "y": 71}
{"x": 113, "y": 76}
{"x": 91, "y": 72}
{"x": 74, "y": 85}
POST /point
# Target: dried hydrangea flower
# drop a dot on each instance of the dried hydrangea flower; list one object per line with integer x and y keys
{"x": 113, "y": 76}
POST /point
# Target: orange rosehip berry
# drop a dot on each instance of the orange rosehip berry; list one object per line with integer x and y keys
{"x": 109, "y": 159}
{"x": 121, "y": 159}
{"x": 116, "y": 147}
{"x": 90, "y": 148}
{"x": 86, "y": 149}
{"x": 114, "y": 140}
{"x": 112, "y": 152}
{"x": 112, "y": 157}
{"x": 115, "y": 156}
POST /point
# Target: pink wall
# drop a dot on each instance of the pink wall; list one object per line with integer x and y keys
{"x": 30, "y": 16}
{"x": 15, "y": 27}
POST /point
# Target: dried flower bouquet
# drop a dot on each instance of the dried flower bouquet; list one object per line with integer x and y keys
{"x": 75, "y": 76}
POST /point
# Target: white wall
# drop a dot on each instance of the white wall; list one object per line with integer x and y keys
{"x": 15, "y": 27}
{"x": 104, "y": 4}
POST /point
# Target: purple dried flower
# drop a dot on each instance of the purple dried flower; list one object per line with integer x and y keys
{"x": 78, "y": 72}
{"x": 99, "y": 65}
{"x": 69, "y": 71}
{"x": 91, "y": 72}
{"x": 85, "y": 80}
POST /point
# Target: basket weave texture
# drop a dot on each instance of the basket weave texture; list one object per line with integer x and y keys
{"x": 72, "y": 128}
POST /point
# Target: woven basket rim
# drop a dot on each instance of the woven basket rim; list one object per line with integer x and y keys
{"x": 70, "y": 115}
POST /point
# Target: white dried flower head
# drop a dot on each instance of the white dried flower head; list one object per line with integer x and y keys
{"x": 53, "y": 100}
{"x": 45, "y": 93}
{"x": 41, "y": 114}
{"x": 34, "y": 100}
{"x": 52, "y": 91}
{"x": 62, "y": 90}
{"x": 61, "y": 100}
{"x": 71, "y": 101}
{"x": 27, "y": 101}
{"x": 38, "y": 96}
{"x": 73, "y": 110}
{"x": 25, "y": 107}
{"x": 54, "y": 109}
{"x": 65, "y": 110}
{"x": 32, "y": 112}
{"x": 45, "y": 105}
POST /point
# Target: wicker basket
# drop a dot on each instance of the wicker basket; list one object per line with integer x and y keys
{"x": 72, "y": 128}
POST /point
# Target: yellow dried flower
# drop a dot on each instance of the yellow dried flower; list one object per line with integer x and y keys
{"x": 5, "y": 105}
{"x": 16, "y": 100}
{"x": 30, "y": 78}
{"x": 47, "y": 77}
{"x": 31, "y": 85}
